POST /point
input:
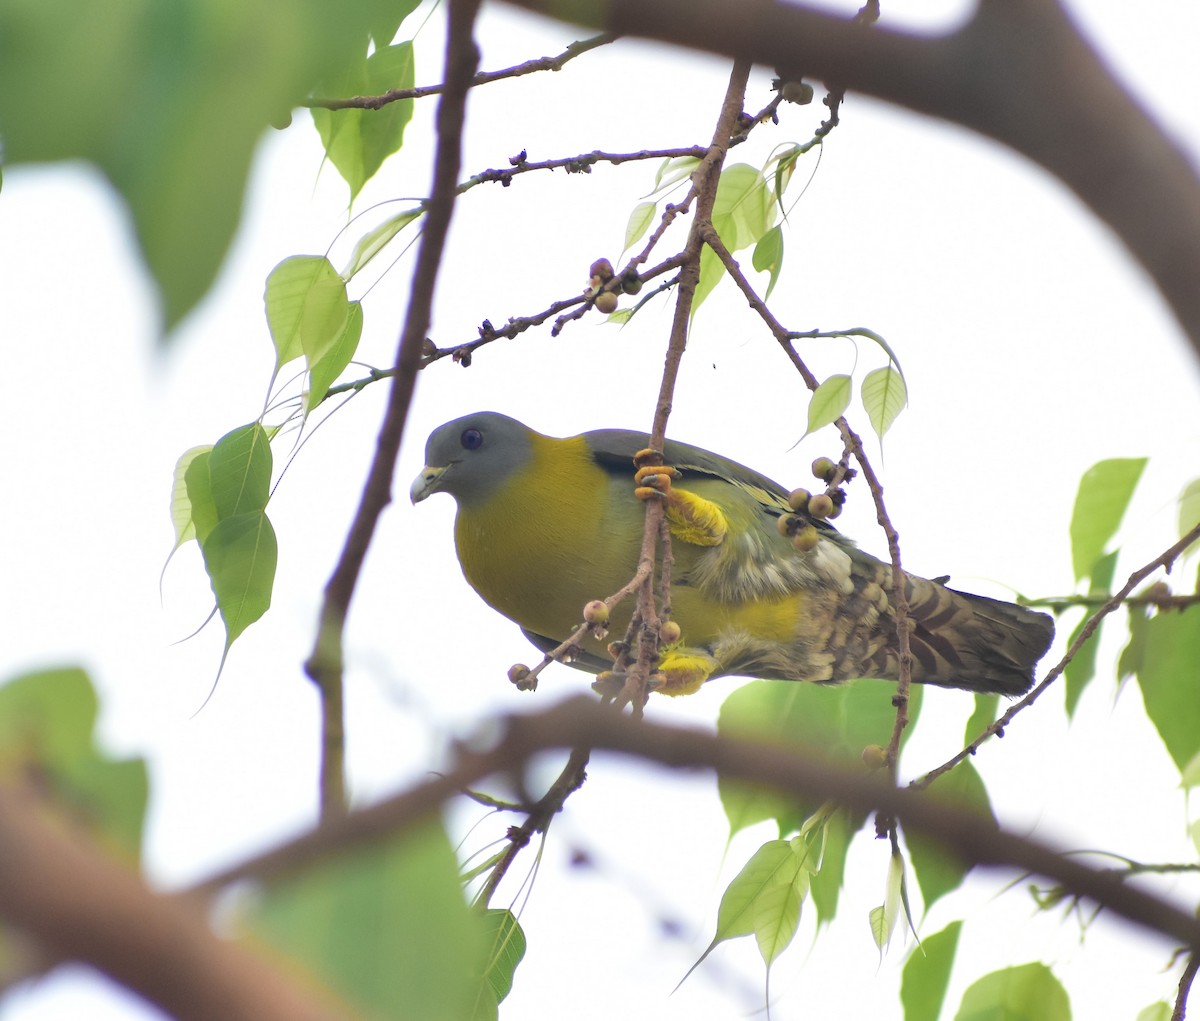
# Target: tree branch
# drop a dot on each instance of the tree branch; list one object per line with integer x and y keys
{"x": 326, "y": 663}
{"x": 580, "y": 723}
{"x": 1018, "y": 72}
{"x": 79, "y": 905}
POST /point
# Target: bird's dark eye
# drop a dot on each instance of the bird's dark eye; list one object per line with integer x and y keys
{"x": 471, "y": 439}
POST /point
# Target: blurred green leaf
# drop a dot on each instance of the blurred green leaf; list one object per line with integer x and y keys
{"x": 938, "y": 870}
{"x": 385, "y": 926}
{"x": 358, "y": 141}
{"x": 927, "y": 974}
{"x": 836, "y": 722}
{"x": 388, "y": 18}
{"x": 170, "y": 101}
{"x": 828, "y": 403}
{"x": 884, "y": 396}
{"x": 1170, "y": 680}
{"x": 1104, "y": 493}
{"x": 1027, "y": 992}
{"x": 1189, "y": 510}
{"x": 1080, "y": 671}
{"x": 47, "y": 733}
{"x": 986, "y": 709}
{"x": 1160, "y": 1011}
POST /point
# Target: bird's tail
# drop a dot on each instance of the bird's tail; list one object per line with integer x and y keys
{"x": 972, "y": 642}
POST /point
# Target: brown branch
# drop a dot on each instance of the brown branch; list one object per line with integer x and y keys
{"x": 57, "y": 887}
{"x": 581, "y": 722}
{"x": 325, "y": 664}
{"x": 1164, "y": 559}
{"x": 1185, "y": 987}
{"x": 580, "y": 164}
{"x": 481, "y": 78}
{"x": 1018, "y": 71}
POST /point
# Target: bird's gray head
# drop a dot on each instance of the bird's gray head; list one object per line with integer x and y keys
{"x": 473, "y": 456}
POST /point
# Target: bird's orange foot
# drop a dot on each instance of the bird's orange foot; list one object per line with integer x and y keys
{"x": 682, "y": 671}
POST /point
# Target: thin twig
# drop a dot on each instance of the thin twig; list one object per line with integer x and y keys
{"x": 854, "y": 444}
{"x": 482, "y": 78}
{"x": 325, "y": 664}
{"x": 1164, "y": 559}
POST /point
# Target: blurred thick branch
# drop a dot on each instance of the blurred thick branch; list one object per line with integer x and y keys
{"x": 1018, "y": 72}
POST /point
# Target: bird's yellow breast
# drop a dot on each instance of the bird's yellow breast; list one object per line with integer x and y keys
{"x": 554, "y": 536}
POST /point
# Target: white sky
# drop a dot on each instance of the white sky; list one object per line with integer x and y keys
{"x": 1033, "y": 347}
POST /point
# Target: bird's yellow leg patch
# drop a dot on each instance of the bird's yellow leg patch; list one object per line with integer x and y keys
{"x": 692, "y": 518}
{"x": 682, "y": 671}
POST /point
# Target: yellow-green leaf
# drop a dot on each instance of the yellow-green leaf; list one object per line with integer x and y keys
{"x": 358, "y": 141}
{"x": 239, "y": 468}
{"x": 374, "y": 241}
{"x": 1027, "y": 992}
{"x": 884, "y": 396}
{"x": 768, "y": 256}
{"x": 639, "y": 222}
{"x": 306, "y": 308}
{"x": 829, "y": 402}
{"x": 335, "y": 360}
{"x": 182, "y": 516}
{"x": 1104, "y": 493}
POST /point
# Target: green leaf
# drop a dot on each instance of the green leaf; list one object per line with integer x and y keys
{"x": 240, "y": 555}
{"x": 1104, "y": 494}
{"x": 768, "y": 256}
{"x": 182, "y": 515}
{"x": 639, "y": 222}
{"x": 829, "y": 402}
{"x": 674, "y": 170}
{"x": 712, "y": 269}
{"x": 1189, "y": 509}
{"x": 1080, "y": 671}
{"x": 198, "y": 482}
{"x": 358, "y": 141}
{"x": 385, "y": 926}
{"x": 826, "y": 885}
{"x": 240, "y": 471}
{"x": 374, "y": 241}
{"x": 177, "y": 97}
{"x": 764, "y": 899}
{"x": 927, "y": 974}
{"x": 1132, "y": 656}
{"x": 939, "y": 871}
{"x": 986, "y": 708}
{"x": 47, "y": 731}
{"x": 1027, "y": 992}
{"x": 1160, "y": 1011}
{"x": 1190, "y": 774}
{"x": 1170, "y": 682}
{"x": 884, "y": 396}
{"x": 306, "y": 308}
{"x": 836, "y": 722}
{"x": 388, "y": 18}
{"x": 505, "y": 944}
{"x": 883, "y": 918}
{"x": 335, "y": 360}
{"x": 743, "y": 210}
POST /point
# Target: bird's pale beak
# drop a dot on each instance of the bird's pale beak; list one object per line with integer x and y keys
{"x": 426, "y": 484}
